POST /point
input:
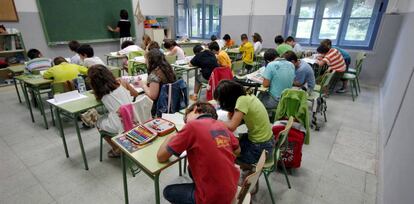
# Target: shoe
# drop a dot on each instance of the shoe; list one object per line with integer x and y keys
{"x": 113, "y": 154}
{"x": 342, "y": 90}
{"x": 193, "y": 97}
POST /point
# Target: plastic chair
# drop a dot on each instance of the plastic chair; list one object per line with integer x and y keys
{"x": 133, "y": 67}
{"x": 171, "y": 59}
{"x": 271, "y": 165}
{"x": 243, "y": 195}
{"x": 188, "y": 51}
{"x": 237, "y": 66}
{"x": 352, "y": 79}
{"x": 358, "y": 67}
{"x": 318, "y": 97}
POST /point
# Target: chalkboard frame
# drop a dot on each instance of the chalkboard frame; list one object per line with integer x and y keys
{"x": 56, "y": 43}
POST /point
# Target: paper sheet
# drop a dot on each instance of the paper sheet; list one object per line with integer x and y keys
{"x": 176, "y": 118}
{"x": 66, "y": 97}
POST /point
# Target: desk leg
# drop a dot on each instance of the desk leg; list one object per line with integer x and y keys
{"x": 179, "y": 168}
{"x": 188, "y": 82}
{"x": 40, "y": 104}
{"x": 62, "y": 134}
{"x": 157, "y": 188}
{"x": 124, "y": 178}
{"x": 26, "y": 98}
{"x": 17, "y": 90}
{"x": 75, "y": 120}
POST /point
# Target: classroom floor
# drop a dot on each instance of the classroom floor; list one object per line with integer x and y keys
{"x": 339, "y": 166}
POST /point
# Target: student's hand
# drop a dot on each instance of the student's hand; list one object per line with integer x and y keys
{"x": 110, "y": 28}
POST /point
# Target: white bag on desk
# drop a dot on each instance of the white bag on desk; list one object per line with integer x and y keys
{"x": 142, "y": 106}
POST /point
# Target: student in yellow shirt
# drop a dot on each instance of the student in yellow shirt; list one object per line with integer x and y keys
{"x": 247, "y": 50}
{"x": 63, "y": 71}
{"x": 223, "y": 58}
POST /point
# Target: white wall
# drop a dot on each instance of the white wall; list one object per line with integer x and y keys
{"x": 156, "y": 7}
{"x": 261, "y": 7}
{"x": 400, "y": 6}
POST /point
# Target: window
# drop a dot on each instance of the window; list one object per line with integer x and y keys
{"x": 197, "y": 18}
{"x": 348, "y": 23}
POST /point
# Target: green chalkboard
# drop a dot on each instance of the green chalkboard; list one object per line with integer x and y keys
{"x": 82, "y": 20}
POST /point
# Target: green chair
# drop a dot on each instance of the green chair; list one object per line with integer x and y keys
{"x": 358, "y": 67}
{"x": 271, "y": 164}
{"x": 116, "y": 71}
{"x": 171, "y": 59}
{"x": 318, "y": 97}
{"x": 237, "y": 66}
{"x": 352, "y": 79}
{"x": 188, "y": 51}
{"x": 134, "y": 67}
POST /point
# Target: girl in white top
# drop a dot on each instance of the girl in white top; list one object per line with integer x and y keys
{"x": 257, "y": 39}
{"x": 174, "y": 49}
{"x": 113, "y": 93}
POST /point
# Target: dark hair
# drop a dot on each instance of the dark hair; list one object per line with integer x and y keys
{"x": 153, "y": 45}
{"x": 102, "y": 80}
{"x": 244, "y": 37}
{"x": 156, "y": 59}
{"x": 126, "y": 44}
{"x": 2, "y": 26}
{"x": 74, "y": 45}
{"x": 202, "y": 108}
{"x": 168, "y": 43}
{"x": 123, "y": 14}
{"x": 214, "y": 46}
{"x": 279, "y": 39}
{"x": 327, "y": 43}
{"x": 227, "y": 92}
{"x": 226, "y": 37}
{"x": 290, "y": 39}
{"x": 33, "y": 54}
{"x": 86, "y": 50}
{"x": 290, "y": 56}
{"x": 213, "y": 38}
{"x": 257, "y": 37}
{"x": 270, "y": 55}
{"x": 323, "y": 49}
{"x": 59, "y": 60}
{"x": 197, "y": 49}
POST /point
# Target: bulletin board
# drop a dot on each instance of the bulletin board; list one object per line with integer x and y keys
{"x": 8, "y": 11}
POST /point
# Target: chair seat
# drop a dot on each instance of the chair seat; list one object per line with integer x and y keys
{"x": 313, "y": 96}
{"x": 351, "y": 70}
{"x": 246, "y": 200}
{"x": 348, "y": 76}
{"x": 317, "y": 88}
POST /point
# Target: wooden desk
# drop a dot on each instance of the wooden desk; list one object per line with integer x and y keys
{"x": 16, "y": 70}
{"x": 146, "y": 159}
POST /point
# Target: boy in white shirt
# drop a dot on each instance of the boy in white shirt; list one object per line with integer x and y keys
{"x": 86, "y": 54}
{"x": 297, "y": 48}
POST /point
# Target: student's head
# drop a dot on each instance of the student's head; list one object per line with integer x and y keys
{"x": 102, "y": 80}
{"x": 153, "y": 45}
{"x": 156, "y": 59}
{"x": 123, "y": 14}
{"x": 59, "y": 60}
{"x": 74, "y": 45}
{"x": 214, "y": 47}
{"x": 2, "y": 29}
{"x": 323, "y": 49}
{"x": 126, "y": 44}
{"x": 197, "y": 49}
{"x": 327, "y": 43}
{"x": 244, "y": 37}
{"x": 257, "y": 37}
{"x": 290, "y": 41}
{"x": 279, "y": 40}
{"x": 34, "y": 53}
{"x": 226, "y": 37}
{"x": 292, "y": 57}
{"x": 146, "y": 39}
{"x": 85, "y": 51}
{"x": 227, "y": 92}
{"x": 169, "y": 44}
{"x": 199, "y": 108}
{"x": 213, "y": 38}
{"x": 270, "y": 55}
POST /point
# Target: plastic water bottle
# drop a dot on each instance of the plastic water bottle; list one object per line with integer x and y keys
{"x": 81, "y": 84}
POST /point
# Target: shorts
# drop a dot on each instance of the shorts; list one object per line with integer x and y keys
{"x": 250, "y": 152}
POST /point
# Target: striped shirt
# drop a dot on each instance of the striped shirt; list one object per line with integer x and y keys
{"x": 38, "y": 64}
{"x": 334, "y": 60}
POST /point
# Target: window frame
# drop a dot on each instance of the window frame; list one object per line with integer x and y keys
{"x": 209, "y": 18}
{"x": 292, "y": 19}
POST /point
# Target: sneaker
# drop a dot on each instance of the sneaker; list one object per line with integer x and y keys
{"x": 342, "y": 90}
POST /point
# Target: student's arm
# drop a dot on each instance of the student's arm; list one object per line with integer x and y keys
{"x": 116, "y": 30}
{"x": 163, "y": 154}
{"x": 297, "y": 83}
{"x": 237, "y": 151}
{"x": 48, "y": 74}
{"x": 172, "y": 52}
{"x": 131, "y": 89}
{"x": 83, "y": 70}
{"x": 266, "y": 83}
{"x": 267, "y": 76}
{"x": 152, "y": 90}
{"x": 235, "y": 120}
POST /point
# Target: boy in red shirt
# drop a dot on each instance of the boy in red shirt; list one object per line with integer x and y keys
{"x": 211, "y": 150}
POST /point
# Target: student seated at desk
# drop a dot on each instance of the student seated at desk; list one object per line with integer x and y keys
{"x": 37, "y": 61}
{"x": 304, "y": 75}
{"x": 127, "y": 47}
{"x": 160, "y": 72}
{"x": 228, "y": 42}
{"x": 73, "y": 46}
{"x": 257, "y": 40}
{"x": 281, "y": 46}
{"x": 220, "y": 42}
{"x": 63, "y": 71}
{"x": 241, "y": 106}
{"x": 247, "y": 50}
{"x": 174, "y": 49}
{"x": 278, "y": 74}
{"x": 333, "y": 58}
{"x": 223, "y": 58}
{"x": 113, "y": 94}
{"x": 211, "y": 150}
{"x": 146, "y": 40}
{"x": 207, "y": 61}
{"x": 86, "y": 54}
{"x": 154, "y": 45}
{"x": 296, "y": 47}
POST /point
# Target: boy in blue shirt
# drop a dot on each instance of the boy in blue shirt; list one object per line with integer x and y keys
{"x": 305, "y": 77}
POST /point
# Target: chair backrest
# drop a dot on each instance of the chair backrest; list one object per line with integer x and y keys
{"x": 116, "y": 71}
{"x": 237, "y": 65}
{"x": 283, "y": 136}
{"x": 326, "y": 81}
{"x": 188, "y": 51}
{"x": 251, "y": 180}
{"x": 133, "y": 54}
{"x": 358, "y": 63}
{"x": 62, "y": 87}
{"x": 171, "y": 59}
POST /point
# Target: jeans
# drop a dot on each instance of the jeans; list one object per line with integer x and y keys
{"x": 180, "y": 193}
